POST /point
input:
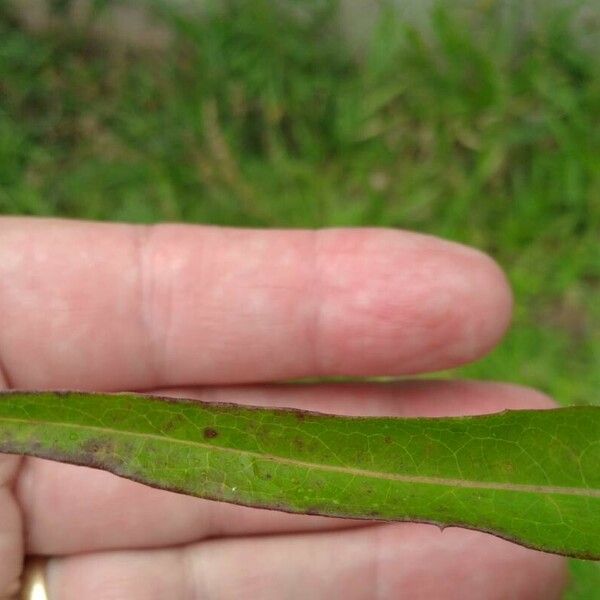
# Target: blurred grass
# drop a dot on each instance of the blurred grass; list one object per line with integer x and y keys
{"x": 482, "y": 127}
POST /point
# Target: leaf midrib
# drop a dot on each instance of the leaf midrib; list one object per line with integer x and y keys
{"x": 418, "y": 479}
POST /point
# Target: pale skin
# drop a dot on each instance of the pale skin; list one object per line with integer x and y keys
{"x": 221, "y": 314}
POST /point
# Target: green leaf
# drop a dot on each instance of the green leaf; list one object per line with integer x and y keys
{"x": 528, "y": 476}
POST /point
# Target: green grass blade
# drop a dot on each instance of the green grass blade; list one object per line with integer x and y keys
{"x": 532, "y": 477}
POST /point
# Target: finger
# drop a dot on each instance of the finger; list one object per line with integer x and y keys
{"x": 110, "y": 512}
{"x": 380, "y": 561}
{"x": 112, "y": 307}
{"x": 11, "y": 529}
{"x": 11, "y": 526}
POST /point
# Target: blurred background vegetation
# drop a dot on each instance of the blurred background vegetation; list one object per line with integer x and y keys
{"x": 480, "y": 124}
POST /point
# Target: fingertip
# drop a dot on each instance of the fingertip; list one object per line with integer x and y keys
{"x": 518, "y": 397}
{"x": 493, "y": 302}
{"x": 482, "y": 303}
{"x": 444, "y": 398}
{"x": 400, "y": 303}
{"x": 479, "y": 564}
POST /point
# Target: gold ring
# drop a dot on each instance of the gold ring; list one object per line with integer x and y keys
{"x": 33, "y": 579}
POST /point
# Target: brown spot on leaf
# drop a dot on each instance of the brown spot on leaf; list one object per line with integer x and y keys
{"x": 96, "y": 446}
{"x": 210, "y": 433}
{"x": 91, "y": 446}
{"x": 387, "y": 439}
{"x": 102, "y": 453}
{"x": 173, "y": 422}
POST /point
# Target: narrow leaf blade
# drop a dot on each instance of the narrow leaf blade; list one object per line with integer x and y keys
{"x": 532, "y": 477}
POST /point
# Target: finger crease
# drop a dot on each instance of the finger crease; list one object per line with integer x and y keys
{"x": 191, "y": 586}
{"x": 146, "y": 304}
{"x": 315, "y": 293}
{"x": 377, "y": 558}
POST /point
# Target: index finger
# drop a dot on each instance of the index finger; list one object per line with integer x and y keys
{"x": 111, "y": 307}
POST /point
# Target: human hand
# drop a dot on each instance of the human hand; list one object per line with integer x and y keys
{"x": 216, "y": 314}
